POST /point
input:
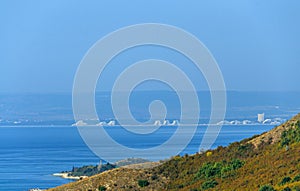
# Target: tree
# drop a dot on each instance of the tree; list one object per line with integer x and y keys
{"x": 287, "y": 189}
{"x": 143, "y": 183}
{"x": 296, "y": 178}
{"x": 285, "y": 180}
{"x": 209, "y": 184}
{"x": 266, "y": 188}
{"x": 102, "y": 188}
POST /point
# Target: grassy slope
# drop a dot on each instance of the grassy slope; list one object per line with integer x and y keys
{"x": 266, "y": 162}
{"x": 116, "y": 179}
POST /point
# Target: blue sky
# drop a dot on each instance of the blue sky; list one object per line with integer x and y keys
{"x": 255, "y": 43}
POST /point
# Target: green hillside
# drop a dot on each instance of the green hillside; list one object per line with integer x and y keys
{"x": 270, "y": 161}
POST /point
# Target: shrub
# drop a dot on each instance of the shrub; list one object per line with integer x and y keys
{"x": 225, "y": 172}
{"x": 154, "y": 177}
{"x": 285, "y": 180}
{"x": 218, "y": 169}
{"x": 266, "y": 188}
{"x": 245, "y": 150}
{"x": 143, "y": 183}
{"x": 236, "y": 164}
{"x": 209, "y": 170}
{"x": 296, "y": 178}
{"x": 180, "y": 186}
{"x": 296, "y": 188}
{"x": 101, "y": 188}
{"x": 287, "y": 189}
{"x": 290, "y": 136}
{"x": 209, "y": 184}
{"x": 285, "y": 141}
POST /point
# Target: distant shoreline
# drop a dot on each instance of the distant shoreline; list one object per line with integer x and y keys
{"x": 55, "y": 126}
{"x": 65, "y": 175}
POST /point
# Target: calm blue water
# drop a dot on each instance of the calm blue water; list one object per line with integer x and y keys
{"x": 28, "y": 156}
{"x": 36, "y": 139}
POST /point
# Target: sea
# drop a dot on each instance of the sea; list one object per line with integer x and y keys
{"x": 37, "y": 137}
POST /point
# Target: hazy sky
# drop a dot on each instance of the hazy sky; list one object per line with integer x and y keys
{"x": 256, "y": 43}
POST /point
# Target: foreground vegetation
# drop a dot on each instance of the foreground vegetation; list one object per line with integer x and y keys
{"x": 267, "y": 162}
{"x": 90, "y": 170}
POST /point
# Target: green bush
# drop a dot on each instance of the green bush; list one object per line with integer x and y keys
{"x": 296, "y": 178}
{"x": 154, "y": 177}
{"x": 209, "y": 170}
{"x": 266, "y": 188}
{"x": 209, "y": 184}
{"x": 291, "y": 136}
{"x": 285, "y": 180}
{"x": 236, "y": 164}
{"x": 143, "y": 183}
{"x": 296, "y": 188}
{"x": 101, "y": 188}
{"x": 218, "y": 169}
{"x": 287, "y": 189}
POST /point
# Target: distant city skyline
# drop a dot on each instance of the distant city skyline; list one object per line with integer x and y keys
{"x": 256, "y": 44}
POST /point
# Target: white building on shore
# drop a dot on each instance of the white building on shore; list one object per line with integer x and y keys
{"x": 157, "y": 123}
{"x": 111, "y": 123}
{"x": 261, "y": 117}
